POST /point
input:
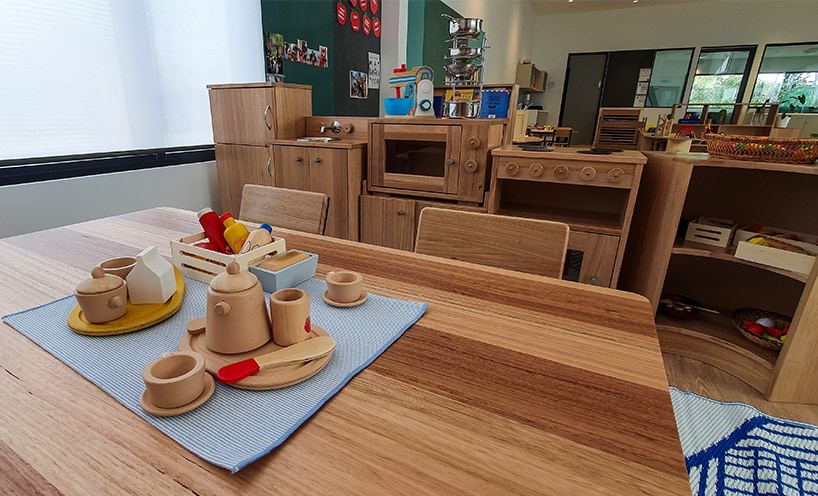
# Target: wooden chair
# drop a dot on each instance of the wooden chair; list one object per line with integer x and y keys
{"x": 288, "y": 208}
{"x": 562, "y": 136}
{"x": 618, "y": 128}
{"x": 515, "y": 243}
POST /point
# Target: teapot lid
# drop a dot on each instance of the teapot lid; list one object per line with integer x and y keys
{"x": 233, "y": 280}
{"x": 100, "y": 282}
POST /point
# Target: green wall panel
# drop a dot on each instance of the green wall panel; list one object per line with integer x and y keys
{"x": 427, "y": 35}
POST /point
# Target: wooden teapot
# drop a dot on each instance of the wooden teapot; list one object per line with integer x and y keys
{"x": 237, "y": 320}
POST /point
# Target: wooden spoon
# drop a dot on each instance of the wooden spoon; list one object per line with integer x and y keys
{"x": 304, "y": 351}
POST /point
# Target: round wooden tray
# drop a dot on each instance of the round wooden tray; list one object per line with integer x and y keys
{"x": 274, "y": 378}
{"x": 753, "y": 314}
{"x": 136, "y": 318}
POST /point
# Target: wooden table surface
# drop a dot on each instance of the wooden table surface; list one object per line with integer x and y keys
{"x": 509, "y": 384}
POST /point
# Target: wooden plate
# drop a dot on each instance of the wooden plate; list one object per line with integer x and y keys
{"x": 330, "y": 301}
{"x": 136, "y": 318}
{"x": 274, "y": 378}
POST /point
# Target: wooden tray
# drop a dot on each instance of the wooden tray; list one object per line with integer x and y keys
{"x": 137, "y": 317}
{"x": 274, "y": 378}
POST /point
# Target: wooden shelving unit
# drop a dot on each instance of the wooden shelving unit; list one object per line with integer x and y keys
{"x": 676, "y": 187}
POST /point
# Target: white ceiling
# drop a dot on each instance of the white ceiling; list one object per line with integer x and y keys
{"x": 551, "y": 7}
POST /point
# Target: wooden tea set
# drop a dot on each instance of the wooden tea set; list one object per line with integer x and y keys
{"x": 240, "y": 340}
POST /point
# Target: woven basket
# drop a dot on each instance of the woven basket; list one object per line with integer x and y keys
{"x": 762, "y": 148}
{"x": 753, "y": 314}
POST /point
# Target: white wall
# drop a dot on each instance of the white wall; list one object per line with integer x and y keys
{"x": 37, "y": 206}
{"x": 726, "y": 22}
{"x": 509, "y": 26}
{"x": 394, "y": 15}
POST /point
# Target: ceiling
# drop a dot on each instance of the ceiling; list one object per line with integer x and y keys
{"x": 551, "y": 7}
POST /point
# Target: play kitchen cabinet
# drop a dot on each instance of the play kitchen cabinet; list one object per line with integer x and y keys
{"x": 593, "y": 194}
{"x": 443, "y": 159}
{"x": 237, "y": 165}
{"x": 336, "y": 172}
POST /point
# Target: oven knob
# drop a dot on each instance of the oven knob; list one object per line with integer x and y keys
{"x": 615, "y": 175}
{"x": 536, "y": 169}
{"x": 512, "y": 168}
{"x": 470, "y": 166}
{"x": 587, "y": 173}
{"x": 473, "y": 142}
{"x": 561, "y": 171}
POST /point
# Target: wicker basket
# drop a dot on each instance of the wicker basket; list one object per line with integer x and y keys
{"x": 753, "y": 314}
{"x": 762, "y": 148}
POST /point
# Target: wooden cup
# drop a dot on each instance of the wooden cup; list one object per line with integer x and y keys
{"x": 175, "y": 379}
{"x": 120, "y": 266}
{"x": 344, "y": 286}
{"x": 290, "y": 316}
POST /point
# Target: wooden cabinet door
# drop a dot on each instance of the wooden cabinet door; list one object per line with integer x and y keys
{"x": 292, "y": 167}
{"x": 328, "y": 175}
{"x": 237, "y": 165}
{"x": 242, "y": 116}
{"x": 388, "y": 222}
{"x": 594, "y": 257}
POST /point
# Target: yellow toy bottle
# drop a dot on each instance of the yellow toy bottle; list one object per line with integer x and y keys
{"x": 235, "y": 233}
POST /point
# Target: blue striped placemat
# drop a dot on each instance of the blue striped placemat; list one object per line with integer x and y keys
{"x": 235, "y": 427}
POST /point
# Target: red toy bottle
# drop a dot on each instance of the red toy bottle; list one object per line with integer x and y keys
{"x": 213, "y": 229}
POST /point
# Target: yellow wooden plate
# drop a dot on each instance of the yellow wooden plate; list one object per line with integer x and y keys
{"x": 137, "y": 317}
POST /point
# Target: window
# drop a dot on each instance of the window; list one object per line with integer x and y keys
{"x": 668, "y": 77}
{"x": 789, "y": 75}
{"x": 721, "y": 75}
{"x": 82, "y": 76}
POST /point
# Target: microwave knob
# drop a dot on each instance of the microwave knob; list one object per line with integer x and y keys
{"x": 561, "y": 172}
{"x": 473, "y": 142}
{"x": 615, "y": 175}
{"x": 512, "y": 168}
{"x": 587, "y": 173}
{"x": 470, "y": 166}
{"x": 536, "y": 169}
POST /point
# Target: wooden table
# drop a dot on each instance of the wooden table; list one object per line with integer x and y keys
{"x": 509, "y": 384}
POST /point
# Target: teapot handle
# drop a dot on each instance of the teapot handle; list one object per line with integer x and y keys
{"x": 222, "y": 308}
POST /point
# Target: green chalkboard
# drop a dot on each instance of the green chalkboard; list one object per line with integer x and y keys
{"x": 427, "y": 35}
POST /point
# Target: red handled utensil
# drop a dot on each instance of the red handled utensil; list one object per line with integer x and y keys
{"x": 304, "y": 351}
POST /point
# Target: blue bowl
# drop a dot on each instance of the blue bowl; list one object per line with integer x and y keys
{"x": 397, "y": 106}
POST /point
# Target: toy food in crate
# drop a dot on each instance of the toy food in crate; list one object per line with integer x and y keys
{"x": 780, "y": 248}
{"x": 204, "y": 255}
{"x": 711, "y": 231}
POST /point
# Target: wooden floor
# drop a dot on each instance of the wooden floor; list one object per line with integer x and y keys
{"x": 705, "y": 380}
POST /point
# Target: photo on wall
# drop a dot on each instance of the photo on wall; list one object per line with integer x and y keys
{"x": 301, "y": 53}
{"x": 274, "y": 55}
{"x": 323, "y": 56}
{"x": 358, "y": 84}
{"x": 312, "y": 57}
{"x": 374, "y": 70}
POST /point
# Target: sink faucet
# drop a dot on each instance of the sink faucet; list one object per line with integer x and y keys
{"x": 335, "y": 127}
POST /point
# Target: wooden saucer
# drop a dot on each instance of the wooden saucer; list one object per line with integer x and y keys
{"x": 274, "y": 378}
{"x": 145, "y": 401}
{"x": 136, "y": 318}
{"x": 364, "y": 296}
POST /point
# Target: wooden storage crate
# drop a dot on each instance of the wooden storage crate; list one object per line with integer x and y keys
{"x": 780, "y": 258}
{"x": 203, "y": 265}
{"x": 713, "y": 232}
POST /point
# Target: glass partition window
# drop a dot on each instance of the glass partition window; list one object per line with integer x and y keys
{"x": 668, "y": 77}
{"x": 721, "y": 75}
{"x": 789, "y": 75}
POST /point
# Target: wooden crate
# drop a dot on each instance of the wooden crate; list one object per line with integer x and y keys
{"x": 713, "y": 232}
{"x": 203, "y": 265}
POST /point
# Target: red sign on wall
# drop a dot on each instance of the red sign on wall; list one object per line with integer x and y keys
{"x": 363, "y": 5}
{"x": 341, "y": 12}
{"x": 355, "y": 20}
{"x": 354, "y": 3}
{"x": 367, "y": 25}
{"x": 373, "y": 6}
{"x": 376, "y": 27}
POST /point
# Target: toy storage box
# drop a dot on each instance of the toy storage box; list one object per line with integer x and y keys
{"x": 776, "y": 257}
{"x": 711, "y": 231}
{"x": 289, "y": 276}
{"x": 203, "y": 265}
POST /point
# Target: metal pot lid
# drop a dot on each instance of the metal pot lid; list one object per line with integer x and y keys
{"x": 233, "y": 280}
{"x": 99, "y": 283}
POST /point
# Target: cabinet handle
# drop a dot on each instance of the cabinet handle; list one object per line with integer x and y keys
{"x": 269, "y": 162}
{"x": 299, "y": 159}
{"x": 595, "y": 281}
{"x": 401, "y": 213}
{"x": 267, "y": 110}
{"x": 450, "y": 161}
{"x": 317, "y": 160}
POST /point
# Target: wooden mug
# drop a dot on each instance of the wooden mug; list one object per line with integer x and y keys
{"x": 290, "y": 316}
{"x": 120, "y": 266}
{"x": 344, "y": 286}
{"x": 175, "y": 379}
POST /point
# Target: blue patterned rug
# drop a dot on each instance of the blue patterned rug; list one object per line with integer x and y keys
{"x": 734, "y": 449}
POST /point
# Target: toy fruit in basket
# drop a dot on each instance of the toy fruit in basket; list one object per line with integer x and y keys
{"x": 765, "y": 328}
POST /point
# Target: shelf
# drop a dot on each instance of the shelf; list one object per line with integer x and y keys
{"x": 712, "y": 339}
{"x": 693, "y": 249}
{"x": 581, "y": 220}
{"x": 531, "y": 90}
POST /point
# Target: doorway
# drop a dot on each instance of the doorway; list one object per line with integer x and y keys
{"x": 581, "y": 95}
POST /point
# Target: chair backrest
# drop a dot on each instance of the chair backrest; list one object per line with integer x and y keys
{"x": 618, "y": 128}
{"x": 562, "y": 136}
{"x": 288, "y": 208}
{"x": 515, "y": 243}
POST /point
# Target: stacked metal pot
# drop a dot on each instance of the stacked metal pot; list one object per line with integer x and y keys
{"x": 464, "y": 66}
